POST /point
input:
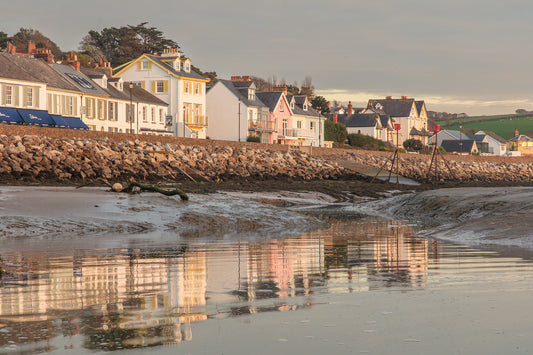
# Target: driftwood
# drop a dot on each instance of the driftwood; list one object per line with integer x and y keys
{"x": 155, "y": 188}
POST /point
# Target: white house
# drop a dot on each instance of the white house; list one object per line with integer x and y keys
{"x": 497, "y": 145}
{"x": 170, "y": 78}
{"x": 236, "y": 112}
{"x": 308, "y": 122}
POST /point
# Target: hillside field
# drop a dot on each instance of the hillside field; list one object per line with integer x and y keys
{"x": 502, "y": 125}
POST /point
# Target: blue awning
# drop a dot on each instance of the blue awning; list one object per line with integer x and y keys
{"x": 76, "y": 123}
{"x": 36, "y": 117}
{"x": 69, "y": 122}
{"x": 60, "y": 121}
{"x": 10, "y": 115}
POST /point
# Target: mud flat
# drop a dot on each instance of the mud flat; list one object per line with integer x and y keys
{"x": 477, "y": 216}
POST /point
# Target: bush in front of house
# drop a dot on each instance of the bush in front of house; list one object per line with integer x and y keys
{"x": 413, "y": 145}
{"x": 365, "y": 142}
{"x": 253, "y": 139}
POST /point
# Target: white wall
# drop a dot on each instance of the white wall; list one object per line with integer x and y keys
{"x": 223, "y": 112}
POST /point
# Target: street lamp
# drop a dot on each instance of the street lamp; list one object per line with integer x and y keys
{"x": 131, "y": 108}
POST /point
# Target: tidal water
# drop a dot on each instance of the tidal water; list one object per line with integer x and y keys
{"x": 363, "y": 285}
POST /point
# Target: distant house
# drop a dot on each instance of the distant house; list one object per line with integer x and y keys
{"x": 447, "y": 134}
{"x": 461, "y": 147}
{"x": 496, "y": 144}
{"x": 409, "y": 113}
{"x": 521, "y": 143}
{"x": 368, "y": 124}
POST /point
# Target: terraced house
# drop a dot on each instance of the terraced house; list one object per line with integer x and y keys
{"x": 170, "y": 78}
{"x": 66, "y": 95}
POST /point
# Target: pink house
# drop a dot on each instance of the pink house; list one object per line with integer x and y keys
{"x": 281, "y": 115}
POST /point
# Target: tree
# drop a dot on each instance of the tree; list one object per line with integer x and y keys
{"x": 307, "y": 87}
{"x": 120, "y": 45}
{"x": 3, "y": 39}
{"x": 413, "y": 145}
{"x": 25, "y": 35}
{"x": 335, "y": 132}
{"x": 320, "y": 104}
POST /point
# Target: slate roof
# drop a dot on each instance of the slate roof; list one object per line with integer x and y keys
{"x": 242, "y": 94}
{"x": 394, "y": 107}
{"x": 492, "y": 135}
{"x": 70, "y": 74}
{"x": 141, "y": 95}
{"x": 461, "y": 146}
{"x": 270, "y": 99}
{"x": 159, "y": 60}
{"x": 299, "y": 101}
{"x": 31, "y": 69}
{"x": 385, "y": 119}
{"x": 521, "y": 138}
{"x": 419, "y": 105}
{"x": 363, "y": 120}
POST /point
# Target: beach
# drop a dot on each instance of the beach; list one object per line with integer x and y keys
{"x": 88, "y": 270}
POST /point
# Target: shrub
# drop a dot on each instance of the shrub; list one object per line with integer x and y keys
{"x": 253, "y": 139}
{"x": 366, "y": 142}
{"x": 413, "y": 145}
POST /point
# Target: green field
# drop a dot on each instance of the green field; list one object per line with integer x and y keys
{"x": 505, "y": 128}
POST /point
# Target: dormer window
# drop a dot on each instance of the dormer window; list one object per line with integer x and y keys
{"x": 292, "y": 104}
{"x": 305, "y": 106}
{"x": 104, "y": 82}
{"x": 177, "y": 65}
{"x": 187, "y": 67}
{"x": 251, "y": 94}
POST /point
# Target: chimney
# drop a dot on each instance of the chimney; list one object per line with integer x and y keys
{"x": 44, "y": 54}
{"x": 350, "y": 108}
{"x": 11, "y": 48}
{"x": 404, "y": 97}
{"x": 388, "y": 97}
{"x": 280, "y": 88}
{"x": 516, "y": 132}
{"x": 105, "y": 67}
{"x": 335, "y": 117}
{"x": 31, "y": 47}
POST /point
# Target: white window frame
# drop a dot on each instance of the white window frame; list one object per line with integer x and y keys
{"x": 160, "y": 86}
{"x": 28, "y": 98}
{"x": 145, "y": 115}
{"x": 145, "y": 65}
{"x": 153, "y": 114}
{"x": 9, "y": 95}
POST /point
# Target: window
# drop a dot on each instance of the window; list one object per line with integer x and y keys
{"x": 153, "y": 115}
{"x": 187, "y": 67}
{"x": 145, "y": 65}
{"x": 311, "y": 125}
{"x": 250, "y": 115}
{"x": 70, "y": 105}
{"x": 9, "y": 95}
{"x": 281, "y": 107}
{"x": 112, "y": 111}
{"x": 89, "y": 103}
{"x": 161, "y": 115}
{"x": 305, "y": 106}
{"x": 187, "y": 87}
{"x": 160, "y": 86}
{"x": 101, "y": 110}
{"x": 298, "y": 124}
{"x": 197, "y": 89}
{"x": 28, "y": 99}
{"x": 251, "y": 94}
{"x": 145, "y": 118}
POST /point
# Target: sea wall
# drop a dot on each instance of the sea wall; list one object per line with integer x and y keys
{"x": 448, "y": 168}
{"x": 33, "y": 158}
{"x": 29, "y": 153}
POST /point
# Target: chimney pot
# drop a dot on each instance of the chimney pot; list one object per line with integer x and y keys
{"x": 335, "y": 117}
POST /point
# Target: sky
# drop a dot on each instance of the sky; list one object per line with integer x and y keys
{"x": 472, "y": 56}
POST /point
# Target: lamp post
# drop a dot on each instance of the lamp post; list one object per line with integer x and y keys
{"x": 460, "y": 140}
{"x": 239, "y": 119}
{"x": 131, "y": 108}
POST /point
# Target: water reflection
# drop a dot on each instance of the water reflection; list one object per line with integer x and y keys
{"x": 135, "y": 297}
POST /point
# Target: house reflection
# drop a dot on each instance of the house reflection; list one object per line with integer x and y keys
{"x": 127, "y": 298}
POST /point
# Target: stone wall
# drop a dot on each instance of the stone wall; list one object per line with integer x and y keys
{"x": 29, "y": 153}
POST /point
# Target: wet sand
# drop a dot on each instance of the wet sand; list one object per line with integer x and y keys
{"x": 465, "y": 310}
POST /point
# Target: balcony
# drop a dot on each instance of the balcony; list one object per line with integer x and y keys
{"x": 288, "y": 134}
{"x": 307, "y": 133}
{"x": 196, "y": 121}
{"x": 261, "y": 126}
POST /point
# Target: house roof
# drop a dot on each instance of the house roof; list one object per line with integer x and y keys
{"x": 270, "y": 99}
{"x": 162, "y": 63}
{"x": 363, "y": 120}
{"x": 299, "y": 103}
{"x": 461, "y": 146}
{"x": 81, "y": 81}
{"x": 521, "y": 138}
{"x": 241, "y": 91}
{"x": 492, "y": 135}
{"x": 31, "y": 69}
{"x": 141, "y": 95}
{"x": 419, "y": 105}
{"x": 393, "y": 107}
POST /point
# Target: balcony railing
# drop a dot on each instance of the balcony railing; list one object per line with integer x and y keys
{"x": 196, "y": 121}
{"x": 289, "y": 133}
{"x": 263, "y": 126}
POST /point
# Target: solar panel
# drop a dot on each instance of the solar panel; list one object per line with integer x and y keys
{"x": 80, "y": 81}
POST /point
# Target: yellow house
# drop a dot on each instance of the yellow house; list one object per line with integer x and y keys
{"x": 170, "y": 78}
